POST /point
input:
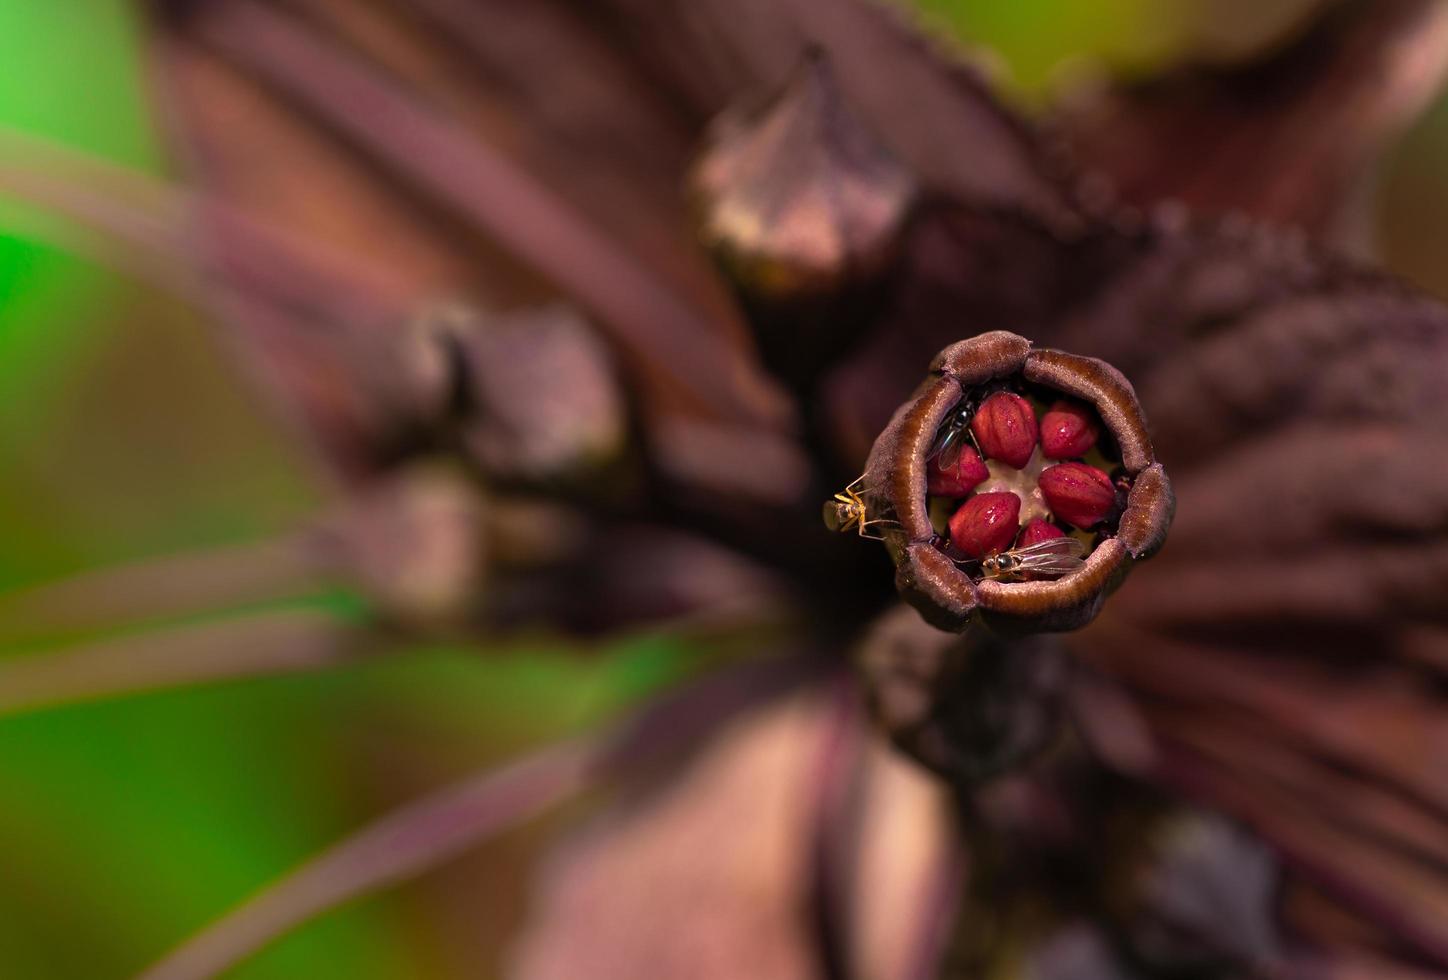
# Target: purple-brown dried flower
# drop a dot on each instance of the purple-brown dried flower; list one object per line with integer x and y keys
{"x": 1282, "y": 670}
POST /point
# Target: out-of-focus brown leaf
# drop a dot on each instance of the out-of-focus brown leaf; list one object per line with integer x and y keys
{"x": 1283, "y": 386}
{"x": 413, "y": 838}
{"x": 590, "y": 127}
{"x": 619, "y": 576}
{"x": 474, "y": 184}
{"x": 1289, "y": 138}
{"x": 244, "y": 646}
{"x": 712, "y": 873}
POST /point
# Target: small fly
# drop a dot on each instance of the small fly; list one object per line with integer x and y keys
{"x": 954, "y": 432}
{"x": 1051, "y": 558}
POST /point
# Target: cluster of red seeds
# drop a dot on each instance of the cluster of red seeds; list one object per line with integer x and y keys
{"x": 1040, "y": 461}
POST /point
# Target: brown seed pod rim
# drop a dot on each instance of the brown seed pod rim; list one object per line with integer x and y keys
{"x": 1106, "y": 389}
{"x": 943, "y": 592}
{"x": 1066, "y": 597}
{"x": 1149, "y": 509}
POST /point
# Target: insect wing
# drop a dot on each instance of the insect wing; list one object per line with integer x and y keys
{"x": 1054, "y": 556}
{"x": 837, "y": 515}
{"x": 948, "y": 456}
{"x": 951, "y": 436}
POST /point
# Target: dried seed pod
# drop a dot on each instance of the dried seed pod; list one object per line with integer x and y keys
{"x": 942, "y": 576}
{"x": 529, "y": 396}
{"x": 541, "y": 402}
{"x": 804, "y": 208}
{"x": 416, "y": 546}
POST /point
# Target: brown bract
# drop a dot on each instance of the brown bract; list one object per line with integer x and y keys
{"x": 945, "y": 595}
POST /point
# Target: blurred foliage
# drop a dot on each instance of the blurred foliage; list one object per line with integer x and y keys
{"x": 126, "y": 824}
{"x": 96, "y": 463}
{"x": 1412, "y": 204}
{"x": 1035, "y": 39}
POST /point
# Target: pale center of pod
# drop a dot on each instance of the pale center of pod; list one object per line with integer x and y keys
{"x": 1023, "y": 482}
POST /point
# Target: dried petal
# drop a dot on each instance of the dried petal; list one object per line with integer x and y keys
{"x": 1005, "y": 428}
{"x": 1068, "y": 430}
{"x": 959, "y": 476}
{"x": 1078, "y": 494}
{"x": 986, "y": 523}
{"x": 712, "y": 869}
{"x": 1037, "y": 531}
{"x": 1346, "y": 85}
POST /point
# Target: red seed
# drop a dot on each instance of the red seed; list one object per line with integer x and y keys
{"x": 963, "y": 475}
{"x": 1038, "y": 531}
{"x": 986, "y": 523}
{"x": 1068, "y": 430}
{"x": 1078, "y": 494}
{"x": 1005, "y": 428}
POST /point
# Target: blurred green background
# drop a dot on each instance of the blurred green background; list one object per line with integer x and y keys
{"x": 126, "y": 824}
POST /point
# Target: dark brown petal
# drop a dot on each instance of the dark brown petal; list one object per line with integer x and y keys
{"x": 475, "y": 186}
{"x": 930, "y": 582}
{"x": 1290, "y": 138}
{"x": 989, "y": 355}
{"x": 1063, "y": 604}
{"x": 712, "y": 872}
